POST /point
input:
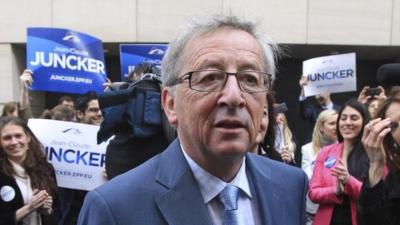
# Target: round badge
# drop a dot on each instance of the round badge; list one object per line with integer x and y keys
{"x": 7, "y": 193}
{"x": 330, "y": 162}
{"x": 313, "y": 163}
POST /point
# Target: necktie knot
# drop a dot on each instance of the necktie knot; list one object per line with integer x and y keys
{"x": 229, "y": 197}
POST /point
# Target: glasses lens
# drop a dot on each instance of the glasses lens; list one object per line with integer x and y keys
{"x": 208, "y": 80}
{"x": 214, "y": 80}
{"x": 93, "y": 110}
{"x": 253, "y": 81}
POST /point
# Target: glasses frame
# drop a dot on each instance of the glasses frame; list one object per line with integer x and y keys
{"x": 93, "y": 110}
{"x": 188, "y": 76}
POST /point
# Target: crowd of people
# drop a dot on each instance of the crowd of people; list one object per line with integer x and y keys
{"x": 231, "y": 142}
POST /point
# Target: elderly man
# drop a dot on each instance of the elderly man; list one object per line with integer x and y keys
{"x": 216, "y": 75}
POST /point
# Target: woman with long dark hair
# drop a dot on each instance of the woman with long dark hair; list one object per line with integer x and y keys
{"x": 27, "y": 180}
{"x": 265, "y": 141}
{"x": 379, "y": 201}
{"x": 340, "y": 169}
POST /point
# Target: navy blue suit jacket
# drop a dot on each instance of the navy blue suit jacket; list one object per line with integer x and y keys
{"x": 163, "y": 190}
{"x": 310, "y": 110}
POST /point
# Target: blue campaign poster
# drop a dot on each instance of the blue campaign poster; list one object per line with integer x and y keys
{"x": 133, "y": 54}
{"x": 65, "y": 61}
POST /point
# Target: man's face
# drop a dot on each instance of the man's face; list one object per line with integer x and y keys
{"x": 322, "y": 98}
{"x": 217, "y": 126}
{"x": 92, "y": 114}
{"x": 69, "y": 104}
{"x": 280, "y": 119}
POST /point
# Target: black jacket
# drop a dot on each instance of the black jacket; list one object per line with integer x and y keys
{"x": 9, "y": 204}
{"x": 380, "y": 204}
{"x": 309, "y": 111}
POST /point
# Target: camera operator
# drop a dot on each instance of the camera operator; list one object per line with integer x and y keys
{"x": 134, "y": 141}
{"x": 310, "y": 108}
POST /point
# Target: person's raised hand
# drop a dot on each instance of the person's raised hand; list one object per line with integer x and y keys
{"x": 285, "y": 154}
{"x": 363, "y": 97}
{"x": 382, "y": 95}
{"x": 303, "y": 81}
{"x": 26, "y": 78}
{"x": 372, "y": 139}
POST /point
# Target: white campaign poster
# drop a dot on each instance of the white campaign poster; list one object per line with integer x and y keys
{"x": 73, "y": 151}
{"x": 332, "y": 74}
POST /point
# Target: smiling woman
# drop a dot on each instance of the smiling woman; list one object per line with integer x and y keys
{"x": 14, "y": 142}
{"x": 27, "y": 180}
{"x": 380, "y": 197}
{"x": 340, "y": 169}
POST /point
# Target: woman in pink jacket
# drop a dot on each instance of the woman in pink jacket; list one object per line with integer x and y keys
{"x": 340, "y": 169}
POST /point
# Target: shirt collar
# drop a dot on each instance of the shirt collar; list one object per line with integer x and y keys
{"x": 210, "y": 186}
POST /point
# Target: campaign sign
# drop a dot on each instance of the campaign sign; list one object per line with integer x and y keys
{"x": 72, "y": 150}
{"x": 65, "y": 61}
{"x": 133, "y": 54}
{"x": 330, "y": 74}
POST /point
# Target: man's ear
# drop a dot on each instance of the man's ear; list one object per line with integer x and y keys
{"x": 79, "y": 115}
{"x": 263, "y": 127}
{"x": 168, "y": 104}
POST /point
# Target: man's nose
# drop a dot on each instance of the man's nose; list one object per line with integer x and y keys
{"x": 231, "y": 95}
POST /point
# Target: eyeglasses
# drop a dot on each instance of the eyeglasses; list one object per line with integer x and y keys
{"x": 93, "y": 110}
{"x": 215, "y": 80}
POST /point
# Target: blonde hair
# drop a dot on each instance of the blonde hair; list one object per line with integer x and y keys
{"x": 287, "y": 136}
{"x": 317, "y": 135}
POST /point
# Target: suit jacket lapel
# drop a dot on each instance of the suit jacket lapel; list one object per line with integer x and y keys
{"x": 267, "y": 192}
{"x": 182, "y": 203}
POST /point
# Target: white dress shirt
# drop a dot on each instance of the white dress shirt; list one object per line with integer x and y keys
{"x": 307, "y": 164}
{"x": 210, "y": 186}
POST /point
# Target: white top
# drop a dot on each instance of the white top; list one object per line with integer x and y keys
{"x": 24, "y": 184}
{"x": 210, "y": 186}
{"x": 307, "y": 165}
{"x": 23, "y": 187}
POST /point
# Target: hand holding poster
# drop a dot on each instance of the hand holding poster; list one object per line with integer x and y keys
{"x": 330, "y": 74}
{"x": 65, "y": 61}
{"x": 134, "y": 54}
{"x": 72, "y": 150}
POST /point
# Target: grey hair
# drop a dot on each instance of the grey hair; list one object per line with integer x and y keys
{"x": 172, "y": 61}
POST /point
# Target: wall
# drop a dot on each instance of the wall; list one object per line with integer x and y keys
{"x": 357, "y": 22}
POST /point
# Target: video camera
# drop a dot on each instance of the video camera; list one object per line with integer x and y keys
{"x": 134, "y": 107}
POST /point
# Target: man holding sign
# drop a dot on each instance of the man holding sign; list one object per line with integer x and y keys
{"x": 322, "y": 76}
{"x": 309, "y": 110}
{"x": 333, "y": 74}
